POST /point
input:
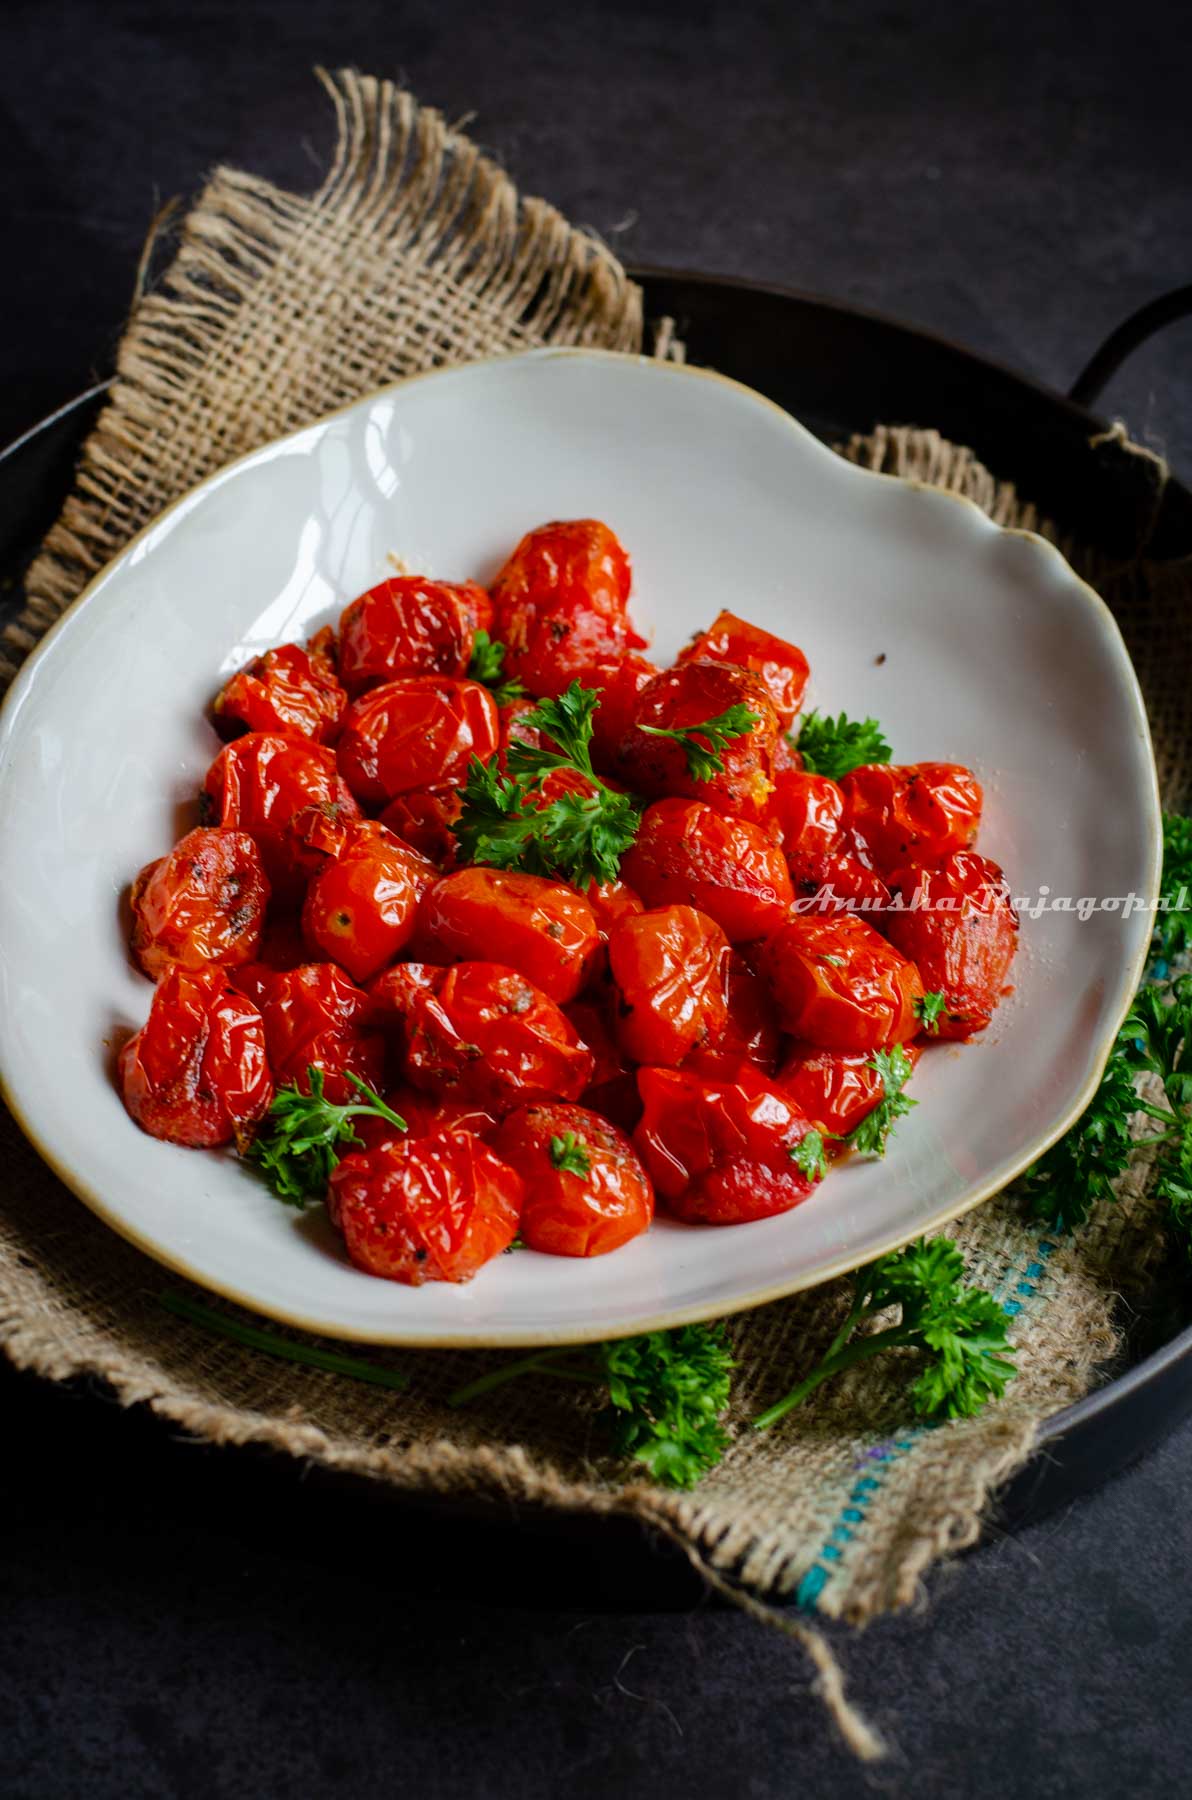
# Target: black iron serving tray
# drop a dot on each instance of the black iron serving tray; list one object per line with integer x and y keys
{"x": 840, "y": 370}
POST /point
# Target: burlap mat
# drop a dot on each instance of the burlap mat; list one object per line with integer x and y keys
{"x": 414, "y": 252}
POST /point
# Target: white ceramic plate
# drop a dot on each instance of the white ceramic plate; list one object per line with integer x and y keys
{"x": 995, "y": 655}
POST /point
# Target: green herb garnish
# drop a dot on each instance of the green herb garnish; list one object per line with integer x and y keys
{"x": 302, "y": 1135}
{"x": 704, "y": 759}
{"x": 568, "y": 1153}
{"x": 488, "y": 659}
{"x": 929, "y": 1009}
{"x": 895, "y": 1068}
{"x": 834, "y": 746}
{"x": 809, "y": 1157}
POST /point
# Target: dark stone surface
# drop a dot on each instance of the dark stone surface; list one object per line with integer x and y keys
{"x": 180, "y": 1621}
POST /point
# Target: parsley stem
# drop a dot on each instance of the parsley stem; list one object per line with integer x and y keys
{"x": 539, "y": 1363}
{"x": 375, "y": 1102}
{"x": 273, "y": 1344}
{"x": 833, "y": 1364}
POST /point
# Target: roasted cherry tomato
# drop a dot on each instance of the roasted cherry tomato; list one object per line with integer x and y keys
{"x": 424, "y": 1117}
{"x": 196, "y": 1072}
{"x": 838, "y": 984}
{"x": 291, "y": 692}
{"x": 686, "y": 696}
{"x": 586, "y": 1193}
{"x": 259, "y": 783}
{"x": 835, "y": 1088}
{"x": 668, "y": 967}
{"x": 360, "y": 910}
{"x": 919, "y": 813}
{"x": 689, "y": 854}
{"x": 806, "y": 813}
{"x": 315, "y": 1017}
{"x": 428, "y": 1209}
{"x": 619, "y": 681}
{"x": 423, "y": 818}
{"x": 488, "y": 1036}
{"x": 961, "y": 928}
{"x": 612, "y": 1089}
{"x": 203, "y": 903}
{"x": 612, "y": 901}
{"x": 560, "y": 604}
{"x": 514, "y": 729}
{"x": 419, "y": 731}
{"x": 392, "y": 993}
{"x": 750, "y": 1030}
{"x": 410, "y": 625}
{"x": 282, "y": 947}
{"x": 721, "y": 1152}
{"x": 544, "y": 929}
{"x": 782, "y": 667}
{"x": 836, "y": 884}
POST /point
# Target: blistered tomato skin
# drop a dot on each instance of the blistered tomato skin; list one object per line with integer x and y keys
{"x": 835, "y": 1088}
{"x": 689, "y": 854}
{"x": 418, "y": 731}
{"x": 805, "y": 813}
{"x": 612, "y": 1086}
{"x": 838, "y": 883}
{"x": 409, "y": 625}
{"x": 260, "y": 783}
{"x": 489, "y": 1037}
{"x": 431, "y": 1209}
{"x": 960, "y": 927}
{"x": 720, "y": 1152}
{"x": 292, "y": 691}
{"x": 196, "y": 1073}
{"x": 560, "y": 604}
{"x": 837, "y": 983}
{"x": 202, "y": 903}
{"x": 361, "y": 909}
{"x": 687, "y": 695}
{"x": 423, "y": 819}
{"x": 918, "y": 813}
{"x": 618, "y": 682}
{"x": 392, "y": 994}
{"x": 572, "y": 1210}
{"x": 750, "y": 1031}
{"x": 542, "y": 928}
{"x": 612, "y": 901}
{"x": 781, "y": 667}
{"x": 668, "y": 968}
{"x": 316, "y": 1017}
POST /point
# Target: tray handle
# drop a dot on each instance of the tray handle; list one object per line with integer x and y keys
{"x": 1133, "y": 332}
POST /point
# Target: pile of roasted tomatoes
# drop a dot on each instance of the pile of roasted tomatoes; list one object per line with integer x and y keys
{"x": 707, "y": 1029}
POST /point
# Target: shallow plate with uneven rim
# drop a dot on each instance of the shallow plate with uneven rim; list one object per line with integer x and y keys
{"x": 969, "y": 642}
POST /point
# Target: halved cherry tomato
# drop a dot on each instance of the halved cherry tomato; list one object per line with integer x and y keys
{"x": 835, "y": 1088}
{"x": 419, "y": 731}
{"x": 360, "y": 910}
{"x": 689, "y": 854}
{"x": 919, "y": 813}
{"x": 315, "y": 1017}
{"x": 428, "y": 1209}
{"x": 667, "y": 965}
{"x": 838, "y": 984}
{"x": 423, "y": 818}
{"x": 961, "y": 928}
{"x": 586, "y": 1193}
{"x": 721, "y": 1152}
{"x": 688, "y": 695}
{"x": 488, "y": 1036}
{"x": 292, "y": 691}
{"x": 782, "y": 667}
{"x": 410, "y": 625}
{"x": 259, "y": 783}
{"x": 202, "y": 903}
{"x": 196, "y": 1073}
{"x": 560, "y": 603}
{"x": 750, "y": 1031}
{"x": 542, "y": 928}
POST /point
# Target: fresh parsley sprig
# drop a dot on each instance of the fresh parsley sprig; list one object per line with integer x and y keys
{"x": 705, "y": 759}
{"x": 870, "y": 1137}
{"x": 666, "y": 1393}
{"x": 1173, "y": 931}
{"x": 929, "y": 1008}
{"x": 487, "y": 662}
{"x": 809, "y": 1155}
{"x": 567, "y": 1153}
{"x": 833, "y": 747}
{"x": 302, "y": 1136}
{"x": 581, "y": 836}
{"x": 959, "y": 1331}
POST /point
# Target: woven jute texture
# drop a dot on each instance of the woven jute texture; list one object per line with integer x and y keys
{"x": 416, "y": 251}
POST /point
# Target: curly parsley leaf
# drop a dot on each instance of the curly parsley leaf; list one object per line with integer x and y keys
{"x": 666, "y": 1392}
{"x": 1173, "y": 929}
{"x": 834, "y": 746}
{"x": 928, "y": 1009}
{"x": 705, "y": 758}
{"x": 895, "y": 1067}
{"x": 808, "y": 1155}
{"x": 302, "y": 1136}
{"x": 580, "y": 835}
{"x": 958, "y": 1330}
{"x": 568, "y": 1153}
{"x": 1068, "y": 1180}
{"x": 487, "y": 662}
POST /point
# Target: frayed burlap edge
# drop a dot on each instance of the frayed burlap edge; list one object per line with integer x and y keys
{"x": 417, "y": 251}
